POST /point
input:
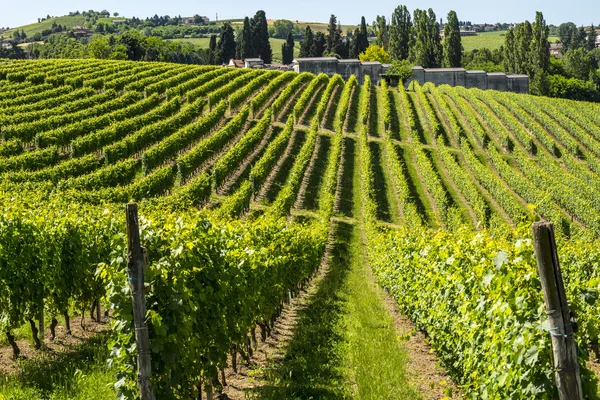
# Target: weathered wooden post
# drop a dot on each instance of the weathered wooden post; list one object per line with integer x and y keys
{"x": 135, "y": 273}
{"x": 566, "y": 375}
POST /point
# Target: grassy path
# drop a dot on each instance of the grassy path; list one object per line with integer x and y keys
{"x": 345, "y": 344}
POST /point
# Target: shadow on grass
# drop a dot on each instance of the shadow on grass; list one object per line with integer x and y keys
{"x": 311, "y": 367}
{"x": 281, "y": 176}
{"x": 58, "y": 371}
{"x": 347, "y": 191}
{"x": 383, "y": 206}
{"x": 315, "y": 179}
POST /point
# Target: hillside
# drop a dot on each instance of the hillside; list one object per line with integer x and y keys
{"x": 256, "y": 187}
{"x": 489, "y": 40}
{"x": 31, "y": 29}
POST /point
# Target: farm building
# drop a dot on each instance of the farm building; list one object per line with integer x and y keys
{"x": 233, "y": 63}
{"x": 254, "y": 63}
{"x": 439, "y": 76}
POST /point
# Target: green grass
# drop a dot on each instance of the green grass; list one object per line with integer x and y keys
{"x": 80, "y": 374}
{"x": 489, "y": 40}
{"x": 275, "y": 45}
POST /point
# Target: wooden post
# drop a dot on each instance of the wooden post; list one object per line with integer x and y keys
{"x": 135, "y": 273}
{"x": 98, "y": 312}
{"x": 566, "y": 375}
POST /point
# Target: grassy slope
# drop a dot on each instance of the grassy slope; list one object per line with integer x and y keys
{"x": 31, "y": 29}
{"x": 489, "y": 40}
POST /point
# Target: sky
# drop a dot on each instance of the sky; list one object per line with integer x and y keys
{"x": 14, "y": 13}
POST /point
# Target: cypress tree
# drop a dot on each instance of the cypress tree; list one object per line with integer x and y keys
{"x": 318, "y": 47}
{"x": 307, "y": 44}
{"x": 212, "y": 48}
{"x": 287, "y": 50}
{"x": 260, "y": 38}
{"x": 400, "y": 33}
{"x": 354, "y": 53}
{"x": 452, "y": 43}
{"x": 363, "y": 39}
{"x": 334, "y": 38}
{"x": 244, "y": 44}
{"x": 226, "y": 46}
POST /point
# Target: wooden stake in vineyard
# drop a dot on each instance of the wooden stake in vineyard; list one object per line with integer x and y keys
{"x": 568, "y": 380}
{"x": 135, "y": 273}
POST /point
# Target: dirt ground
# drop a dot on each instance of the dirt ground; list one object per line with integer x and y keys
{"x": 61, "y": 343}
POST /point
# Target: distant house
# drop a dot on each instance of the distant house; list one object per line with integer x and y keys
{"x": 6, "y": 44}
{"x": 2, "y": 31}
{"x": 598, "y": 38}
{"x": 233, "y": 63}
{"x": 80, "y": 31}
{"x": 254, "y": 63}
{"x": 192, "y": 20}
{"x": 555, "y": 49}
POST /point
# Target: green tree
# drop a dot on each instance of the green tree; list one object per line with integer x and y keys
{"x": 306, "y": 44}
{"x": 318, "y": 46}
{"x": 426, "y": 48}
{"x": 578, "y": 63}
{"x": 540, "y": 55}
{"x": 260, "y": 37}
{"x": 400, "y": 29}
{"x": 334, "y": 38}
{"x": 243, "y": 47}
{"x": 212, "y": 50}
{"x": 363, "y": 38}
{"x": 591, "y": 38}
{"x": 226, "y": 45}
{"x": 382, "y": 32}
{"x": 569, "y": 36}
{"x": 287, "y": 49}
{"x": 282, "y": 28}
{"x": 119, "y": 52}
{"x": 452, "y": 43}
{"x": 354, "y": 51}
{"x": 99, "y": 47}
{"x": 375, "y": 53}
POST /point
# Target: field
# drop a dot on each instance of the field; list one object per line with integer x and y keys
{"x": 275, "y": 45}
{"x": 489, "y": 40}
{"x": 269, "y": 196}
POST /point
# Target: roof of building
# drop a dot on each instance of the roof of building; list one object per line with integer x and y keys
{"x": 350, "y": 61}
{"x": 516, "y": 76}
{"x": 298, "y": 60}
{"x": 444, "y": 69}
{"x": 236, "y": 63}
{"x": 253, "y": 60}
{"x": 371, "y": 63}
{"x": 496, "y": 74}
{"x": 475, "y": 71}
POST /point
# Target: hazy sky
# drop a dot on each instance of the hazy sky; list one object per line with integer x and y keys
{"x": 15, "y": 13}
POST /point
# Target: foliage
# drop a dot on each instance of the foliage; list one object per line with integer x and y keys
{"x": 452, "y": 42}
{"x": 426, "y": 48}
{"x": 400, "y": 33}
{"x": 375, "y": 53}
